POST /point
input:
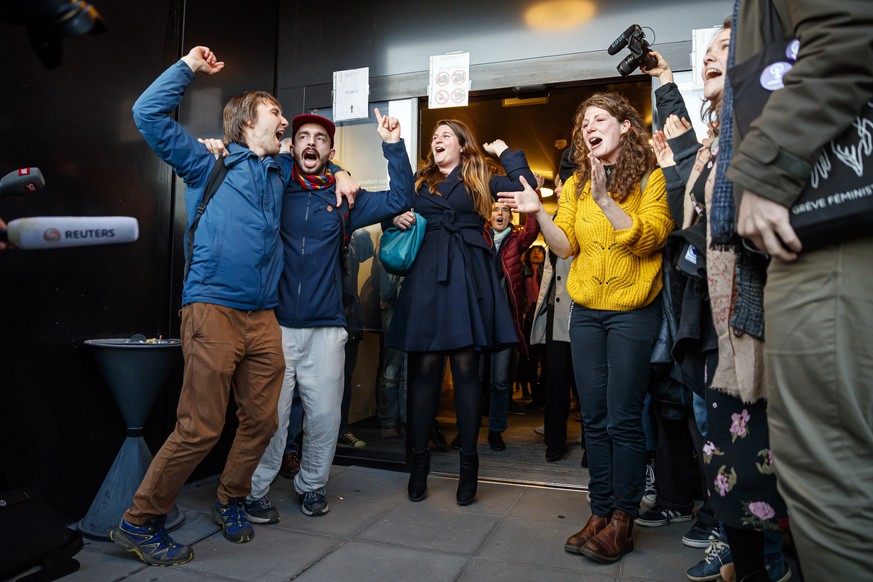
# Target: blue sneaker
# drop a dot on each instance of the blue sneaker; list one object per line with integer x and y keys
{"x": 718, "y": 554}
{"x": 151, "y": 543}
{"x": 778, "y": 570}
{"x": 314, "y": 503}
{"x": 233, "y": 522}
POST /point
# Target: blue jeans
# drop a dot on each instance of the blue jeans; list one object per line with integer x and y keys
{"x": 611, "y": 352}
{"x": 392, "y": 388}
{"x": 392, "y": 382}
{"x": 500, "y": 393}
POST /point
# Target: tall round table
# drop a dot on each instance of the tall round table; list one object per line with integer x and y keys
{"x": 135, "y": 370}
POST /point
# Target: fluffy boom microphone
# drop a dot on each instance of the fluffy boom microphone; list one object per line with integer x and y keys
{"x": 54, "y": 232}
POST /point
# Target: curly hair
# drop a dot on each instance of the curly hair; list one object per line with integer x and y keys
{"x": 636, "y": 157}
{"x": 476, "y": 169}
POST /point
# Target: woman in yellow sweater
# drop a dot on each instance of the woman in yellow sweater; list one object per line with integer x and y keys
{"x": 614, "y": 231}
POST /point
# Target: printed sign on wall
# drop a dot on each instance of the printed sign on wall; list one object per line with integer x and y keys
{"x": 351, "y": 94}
{"x": 449, "y": 84}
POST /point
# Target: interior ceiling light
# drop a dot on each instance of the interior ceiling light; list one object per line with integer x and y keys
{"x": 559, "y": 14}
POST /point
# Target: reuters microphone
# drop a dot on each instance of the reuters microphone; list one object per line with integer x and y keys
{"x": 21, "y": 181}
{"x": 55, "y": 232}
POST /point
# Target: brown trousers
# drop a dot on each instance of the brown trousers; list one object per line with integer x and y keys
{"x": 223, "y": 348}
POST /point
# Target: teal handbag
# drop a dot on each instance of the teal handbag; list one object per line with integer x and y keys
{"x": 398, "y": 248}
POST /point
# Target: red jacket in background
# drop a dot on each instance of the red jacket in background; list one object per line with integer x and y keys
{"x": 509, "y": 254}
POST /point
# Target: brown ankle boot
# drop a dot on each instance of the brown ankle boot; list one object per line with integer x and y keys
{"x": 613, "y": 542}
{"x": 594, "y": 525}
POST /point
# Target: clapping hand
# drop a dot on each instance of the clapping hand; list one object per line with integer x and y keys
{"x": 674, "y": 127}
{"x": 598, "y": 180}
{"x": 662, "y": 150}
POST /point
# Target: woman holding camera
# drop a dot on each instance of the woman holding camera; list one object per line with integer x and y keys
{"x": 736, "y": 454}
{"x": 613, "y": 218}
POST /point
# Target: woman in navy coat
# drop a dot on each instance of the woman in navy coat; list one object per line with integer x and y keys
{"x": 451, "y": 303}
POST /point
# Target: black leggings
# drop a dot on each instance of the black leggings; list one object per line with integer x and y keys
{"x": 426, "y": 369}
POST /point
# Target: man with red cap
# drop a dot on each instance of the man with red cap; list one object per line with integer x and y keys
{"x": 310, "y": 311}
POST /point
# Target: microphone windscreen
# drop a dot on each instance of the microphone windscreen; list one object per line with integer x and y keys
{"x": 21, "y": 181}
{"x": 52, "y": 232}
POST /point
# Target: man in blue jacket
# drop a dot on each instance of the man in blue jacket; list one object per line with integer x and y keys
{"x": 310, "y": 310}
{"x": 230, "y": 336}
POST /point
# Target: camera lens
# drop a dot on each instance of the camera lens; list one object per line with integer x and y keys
{"x": 627, "y": 66}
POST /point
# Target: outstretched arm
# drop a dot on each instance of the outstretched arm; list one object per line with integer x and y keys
{"x": 528, "y": 202}
{"x": 153, "y": 115}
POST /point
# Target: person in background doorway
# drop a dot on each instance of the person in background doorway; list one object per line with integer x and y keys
{"x": 510, "y": 242}
{"x": 550, "y": 329}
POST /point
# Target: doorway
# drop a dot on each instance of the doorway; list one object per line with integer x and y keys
{"x": 539, "y": 122}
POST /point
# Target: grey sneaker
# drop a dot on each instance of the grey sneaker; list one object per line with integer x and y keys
{"x": 261, "y": 511}
{"x": 313, "y": 503}
{"x": 651, "y": 493}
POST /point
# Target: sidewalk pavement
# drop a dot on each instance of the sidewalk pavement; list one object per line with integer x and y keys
{"x": 373, "y": 532}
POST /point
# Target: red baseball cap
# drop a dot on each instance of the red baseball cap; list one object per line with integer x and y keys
{"x": 305, "y": 118}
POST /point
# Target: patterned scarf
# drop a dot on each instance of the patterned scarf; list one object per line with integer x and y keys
{"x": 313, "y": 181}
{"x": 751, "y": 267}
{"x": 721, "y": 215}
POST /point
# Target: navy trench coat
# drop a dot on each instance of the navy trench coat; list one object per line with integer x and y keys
{"x": 451, "y": 298}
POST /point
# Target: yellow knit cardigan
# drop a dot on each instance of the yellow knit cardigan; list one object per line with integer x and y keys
{"x": 615, "y": 270}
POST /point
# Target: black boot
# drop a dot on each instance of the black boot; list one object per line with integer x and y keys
{"x": 468, "y": 480}
{"x": 417, "y": 488}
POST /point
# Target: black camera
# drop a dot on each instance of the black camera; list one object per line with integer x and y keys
{"x": 635, "y": 39}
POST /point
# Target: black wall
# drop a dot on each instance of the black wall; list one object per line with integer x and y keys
{"x": 59, "y": 427}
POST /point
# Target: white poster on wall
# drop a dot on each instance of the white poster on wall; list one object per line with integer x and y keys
{"x": 449, "y": 82}
{"x": 351, "y": 93}
{"x": 701, "y": 38}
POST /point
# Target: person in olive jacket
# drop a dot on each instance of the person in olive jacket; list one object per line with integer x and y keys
{"x": 818, "y": 309}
